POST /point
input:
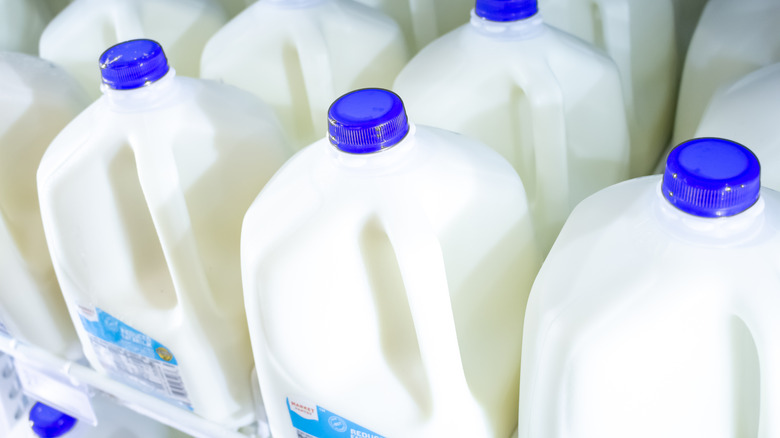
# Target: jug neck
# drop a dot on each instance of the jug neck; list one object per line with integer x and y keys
{"x": 384, "y": 159}
{"x": 708, "y": 231}
{"x": 141, "y": 98}
{"x": 525, "y": 28}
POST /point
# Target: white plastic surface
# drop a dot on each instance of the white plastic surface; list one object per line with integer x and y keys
{"x": 300, "y": 55}
{"x": 142, "y": 198}
{"x": 13, "y": 402}
{"x": 686, "y": 17}
{"x": 359, "y": 270}
{"x": 422, "y": 21}
{"x": 21, "y": 24}
{"x": 639, "y": 35}
{"x": 549, "y": 103}
{"x": 645, "y": 321}
{"x": 79, "y": 34}
{"x": 733, "y": 38}
{"x": 37, "y": 99}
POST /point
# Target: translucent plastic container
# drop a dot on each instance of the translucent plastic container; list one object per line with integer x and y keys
{"x": 548, "y": 102}
{"x": 21, "y": 24}
{"x": 732, "y": 39}
{"x": 305, "y": 53}
{"x": 655, "y": 312}
{"x": 385, "y": 278}
{"x": 142, "y": 198}
{"x": 422, "y": 21}
{"x": 77, "y": 36}
{"x": 37, "y": 99}
{"x": 639, "y": 35}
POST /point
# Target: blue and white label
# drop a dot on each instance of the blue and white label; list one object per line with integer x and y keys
{"x": 134, "y": 357}
{"x": 312, "y": 421}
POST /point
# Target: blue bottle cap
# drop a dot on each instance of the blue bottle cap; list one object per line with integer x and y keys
{"x": 712, "y": 177}
{"x": 48, "y": 422}
{"x": 367, "y": 120}
{"x": 133, "y": 64}
{"x": 506, "y": 10}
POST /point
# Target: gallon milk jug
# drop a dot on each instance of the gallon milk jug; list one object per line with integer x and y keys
{"x": 13, "y": 403}
{"x": 385, "y": 277}
{"x": 655, "y": 313}
{"x": 113, "y": 422}
{"x": 422, "y": 21}
{"x": 37, "y": 100}
{"x": 732, "y": 39}
{"x": 747, "y": 112}
{"x": 305, "y": 53}
{"x": 78, "y": 35}
{"x": 546, "y": 101}
{"x": 639, "y": 35}
{"x": 21, "y": 24}
{"x": 142, "y": 198}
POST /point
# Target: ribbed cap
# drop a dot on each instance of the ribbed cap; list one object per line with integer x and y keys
{"x": 506, "y": 10}
{"x": 712, "y": 177}
{"x": 133, "y": 64}
{"x": 48, "y": 422}
{"x": 367, "y": 120}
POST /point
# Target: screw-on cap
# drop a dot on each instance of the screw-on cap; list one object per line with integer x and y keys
{"x": 133, "y": 64}
{"x": 712, "y": 177}
{"x": 506, "y": 10}
{"x": 48, "y": 422}
{"x": 367, "y": 120}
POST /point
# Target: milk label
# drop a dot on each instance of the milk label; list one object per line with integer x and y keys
{"x": 312, "y": 421}
{"x": 134, "y": 357}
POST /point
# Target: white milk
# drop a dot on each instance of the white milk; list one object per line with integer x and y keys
{"x": 422, "y": 21}
{"x": 114, "y": 421}
{"x": 549, "y": 103}
{"x": 646, "y": 320}
{"x": 21, "y": 24}
{"x": 639, "y": 35}
{"x": 732, "y": 39}
{"x": 304, "y": 54}
{"x": 142, "y": 198}
{"x": 360, "y": 267}
{"x": 37, "y": 99}
{"x": 747, "y": 112}
{"x": 77, "y": 36}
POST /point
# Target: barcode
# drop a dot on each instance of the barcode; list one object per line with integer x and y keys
{"x": 174, "y": 382}
{"x": 302, "y": 434}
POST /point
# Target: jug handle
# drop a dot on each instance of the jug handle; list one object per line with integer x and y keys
{"x": 126, "y": 18}
{"x": 423, "y": 13}
{"x": 421, "y": 263}
{"x": 317, "y": 73}
{"x": 159, "y": 179}
{"x": 551, "y": 199}
{"x": 759, "y": 313}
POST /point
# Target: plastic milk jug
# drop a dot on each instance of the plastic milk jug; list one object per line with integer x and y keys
{"x": 77, "y": 36}
{"x": 385, "y": 277}
{"x": 422, "y": 21}
{"x": 21, "y": 24}
{"x": 142, "y": 198}
{"x": 747, "y": 112}
{"x": 114, "y": 421}
{"x": 655, "y": 313}
{"x": 549, "y": 103}
{"x": 37, "y": 100}
{"x": 13, "y": 403}
{"x": 639, "y": 35}
{"x": 732, "y": 39}
{"x": 305, "y": 54}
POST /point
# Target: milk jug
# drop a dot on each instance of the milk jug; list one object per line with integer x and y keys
{"x": 305, "y": 53}
{"x": 113, "y": 422}
{"x": 77, "y": 36}
{"x": 37, "y": 100}
{"x": 385, "y": 277}
{"x": 422, "y": 21}
{"x": 639, "y": 35}
{"x": 732, "y": 39}
{"x": 549, "y": 103}
{"x": 13, "y": 402}
{"x": 655, "y": 313}
{"x": 142, "y": 198}
{"x": 21, "y": 24}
